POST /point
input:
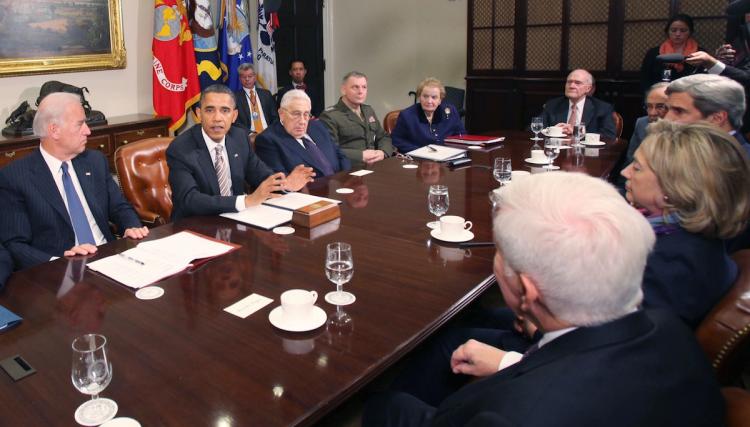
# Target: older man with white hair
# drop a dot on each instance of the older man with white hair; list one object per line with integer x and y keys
{"x": 297, "y": 140}
{"x": 600, "y": 360}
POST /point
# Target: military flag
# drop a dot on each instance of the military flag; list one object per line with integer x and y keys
{"x": 204, "y": 40}
{"x": 234, "y": 41}
{"x": 265, "y": 59}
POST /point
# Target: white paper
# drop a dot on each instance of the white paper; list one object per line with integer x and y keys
{"x": 248, "y": 305}
{"x": 361, "y": 172}
{"x": 438, "y": 153}
{"x": 293, "y": 201}
{"x": 266, "y": 217}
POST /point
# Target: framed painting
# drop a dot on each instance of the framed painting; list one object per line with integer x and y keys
{"x": 58, "y": 36}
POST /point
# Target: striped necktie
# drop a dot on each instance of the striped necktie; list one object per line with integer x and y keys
{"x": 222, "y": 172}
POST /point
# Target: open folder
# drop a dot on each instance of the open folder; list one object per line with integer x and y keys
{"x": 276, "y": 211}
{"x": 157, "y": 259}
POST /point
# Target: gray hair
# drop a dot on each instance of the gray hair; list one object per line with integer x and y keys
{"x": 351, "y": 74}
{"x": 51, "y": 110}
{"x": 293, "y": 95}
{"x": 218, "y": 88}
{"x": 588, "y": 75}
{"x": 712, "y": 93}
{"x": 544, "y": 218}
{"x": 246, "y": 66}
{"x": 656, "y": 86}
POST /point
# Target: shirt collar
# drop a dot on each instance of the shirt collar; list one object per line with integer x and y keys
{"x": 549, "y": 336}
{"x": 579, "y": 105}
{"x": 210, "y": 143}
{"x": 53, "y": 163}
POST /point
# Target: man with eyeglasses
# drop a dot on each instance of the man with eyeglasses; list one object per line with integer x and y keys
{"x": 578, "y": 107}
{"x": 656, "y": 108}
{"x": 296, "y": 140}
{"x": 211, "y": 163}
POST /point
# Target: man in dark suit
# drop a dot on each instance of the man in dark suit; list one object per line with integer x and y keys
{"x": 296, "y": 140}
{"x": 600, "y": 361}
{"x": 256, "y": 107}
{"x": 210, "y": 164}
{"x": 6, "y": 265}
{"x": 578, "y": 107}
{"x": 59, "y": 200}
{"x": 298, "y": 71}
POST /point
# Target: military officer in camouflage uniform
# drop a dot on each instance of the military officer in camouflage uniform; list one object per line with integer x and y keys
{"x": 354, "y": 125}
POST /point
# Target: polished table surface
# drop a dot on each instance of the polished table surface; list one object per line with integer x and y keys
{"x": 182, "y": 360}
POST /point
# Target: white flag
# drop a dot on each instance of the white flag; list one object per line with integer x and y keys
{"x": 265, "y": 58}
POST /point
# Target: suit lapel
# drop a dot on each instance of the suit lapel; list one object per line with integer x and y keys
{"x": 236, "y": 164}
{"x": 588, "y": 112}
{"x": 83, "y": 172}
{"x": 45, "y": 184}
{"x": 203, "y": 159}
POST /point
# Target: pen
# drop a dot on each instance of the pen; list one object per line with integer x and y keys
{"x": 137, "y": 261}
{"x": 475, "y": 244}
{"x": 431, "y": 148}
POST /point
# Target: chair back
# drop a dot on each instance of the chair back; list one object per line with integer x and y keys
{"x": 618, "y": 124}
{"x": 455, "y": 96}
{"x": 723, "y": 333}
{"x": 738, "y": 406}
{"x": 144, "y": 177}
{"x": 389, "y": 121}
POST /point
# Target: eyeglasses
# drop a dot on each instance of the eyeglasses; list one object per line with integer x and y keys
{"x": 404, "y": 157}
{"x": 297, "y": 115}
{"x": 575, "y": 82}
{"x": 657, "y": 107}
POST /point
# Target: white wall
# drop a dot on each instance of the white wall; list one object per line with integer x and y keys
{"x": 396, "y": 43}
{"x": 114, "y": 92}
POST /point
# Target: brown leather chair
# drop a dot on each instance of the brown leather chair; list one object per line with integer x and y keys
{"x": 389, "y": 121}
{"x": 618, "y": 124}
{"x": 144, "y": 177}
{"x": 724, "y": 333}
{"x": 738, "y": 406}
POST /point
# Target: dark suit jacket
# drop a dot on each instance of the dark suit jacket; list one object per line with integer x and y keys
{"x": 34, "y": 223}
{"x": 270, "y": 111}
{"x": 282, "y": 153}
{"x": 311, "y": 91}
{"x": 597, "y": 115}
{"x": 6, "y": 265}
{"x": 644, "y": 369}
{"x": 195, "y": 187}
{"x": 412, "y": 129}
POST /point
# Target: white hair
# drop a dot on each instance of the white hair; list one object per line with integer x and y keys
{"x": 292, "y": 95}
{"x": 578, "y": 239}
{"x": 51, "y": 110}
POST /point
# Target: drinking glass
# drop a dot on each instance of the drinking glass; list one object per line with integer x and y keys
{"x": 339, "y": 270}
{"x": 502, "y": 170}
{"x": 551, "y": 150}
{"x": 91, "y": 373}
{"x": 438, "y": 202}
{"x": 537, "y": 124}
{"x": 579, "y": 134}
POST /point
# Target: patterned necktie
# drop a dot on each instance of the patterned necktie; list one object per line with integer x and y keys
{"x": 325, "y": 165}
{"x": 222, "y": 172}
{"x": 573, "y": 115}
{"x": 255, "y": 113}
{"x": 75, "y": 209}
{"x": 300, "y": 86}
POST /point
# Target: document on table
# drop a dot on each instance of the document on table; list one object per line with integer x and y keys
{"x": 262, "y": 216}
{"x": 437, "y": 153}
{"x": 294, "y": 201}
{"x": 157, "y": 259}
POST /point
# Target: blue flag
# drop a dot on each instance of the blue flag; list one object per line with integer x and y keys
{"x": 204, "y": 40}
{"x": 234, "y": 41}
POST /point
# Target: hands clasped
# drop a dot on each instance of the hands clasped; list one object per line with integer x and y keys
{"x": 476, "y": 358}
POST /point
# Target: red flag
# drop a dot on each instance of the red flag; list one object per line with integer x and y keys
{"x": 176, "y": 85}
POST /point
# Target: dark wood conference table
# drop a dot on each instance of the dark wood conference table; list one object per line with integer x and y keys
{"x": 182, "y": 360}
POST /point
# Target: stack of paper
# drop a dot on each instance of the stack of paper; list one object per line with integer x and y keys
{"x": 437, "y": 153}
{"x": 276, "y": 211}
{"x": 474, "y": 139}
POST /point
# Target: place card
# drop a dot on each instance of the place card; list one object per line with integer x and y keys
{"x": 361, "y": 172}
{"x": 248, "y": 305}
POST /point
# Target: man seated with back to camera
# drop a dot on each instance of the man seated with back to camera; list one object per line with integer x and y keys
{"x": 210, "y": 163}
{"x": 601, "y": 360}
{"x": 578, "y": 106}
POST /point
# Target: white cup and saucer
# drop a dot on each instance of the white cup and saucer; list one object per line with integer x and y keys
{"x": 453, "y": 229}
{"x": 298, "y": 312}
{"x": 554, "y": 132}
{"x": 593, "y": 140}
{"x": 537, "y": 158}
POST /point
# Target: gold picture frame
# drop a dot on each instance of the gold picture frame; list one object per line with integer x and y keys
{"x": 51, "y": 24}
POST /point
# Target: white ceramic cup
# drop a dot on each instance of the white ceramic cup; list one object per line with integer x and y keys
{"x": 453, "y": 226}
{"x": 555, "y": 131}
{"x": 592, "y": 138}
{"x": 538, "y": 156}
{"x": 297, "y": 304}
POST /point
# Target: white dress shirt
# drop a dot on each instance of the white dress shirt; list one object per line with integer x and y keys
{"x": 513, "y": 357}
{"x": 239, "y": 203}
{"x": 579, "y": 110}
{"x": 257, "y": 104}
{"x": 55, "y": 167}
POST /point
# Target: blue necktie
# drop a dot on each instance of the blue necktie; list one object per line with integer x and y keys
{"x": 325, "y": 165}
{"x": 75, "y": 209}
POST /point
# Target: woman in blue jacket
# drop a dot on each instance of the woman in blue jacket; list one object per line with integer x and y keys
{"x": 427, "y": 122}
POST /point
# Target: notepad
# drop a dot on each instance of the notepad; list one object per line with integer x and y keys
{"x": 262, "y": 216}
{"x": 154, "y": 260}
{"x": 437, "y": 153}
{"x": 8, "y": 319}
{"x": 294, "y": 201}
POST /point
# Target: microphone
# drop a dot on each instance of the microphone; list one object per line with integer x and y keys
{"x": 671, "y": 57}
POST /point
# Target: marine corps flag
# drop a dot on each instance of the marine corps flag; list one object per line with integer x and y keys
{"x": 175, "y": 81}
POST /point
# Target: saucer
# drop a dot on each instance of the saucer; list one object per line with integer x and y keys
{"x": 594, "y": 144}
{"x": 464, "y": 237}
{"x": 553, "y": 168}
{"x": 533, "y": 162}
{"x": 121, "y": 422}
{"x": 561, "y": 136}
{"x": 317, "y": 319}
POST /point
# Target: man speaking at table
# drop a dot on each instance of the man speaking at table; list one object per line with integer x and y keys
{"x": 210, "y": 164}
{"x": 59, "y": 200}
{"x": 601, "y": 361}
{"x": 296, "y": 140}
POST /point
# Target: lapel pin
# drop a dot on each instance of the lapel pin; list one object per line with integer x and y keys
{"x": 236, "y": 155}
{"x": 88, "y": 173}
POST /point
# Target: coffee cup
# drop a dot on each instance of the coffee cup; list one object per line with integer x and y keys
{"x": 555, "y": 131}
{"x": 297, "y": 304}
{"x": 537, "y": 156}
{"x": 453, "y": 226}
{"x": 592, "y": 138}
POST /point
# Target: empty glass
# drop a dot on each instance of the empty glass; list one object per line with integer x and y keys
{"x": 579, "y": 134}
{"x": 339, "y": 270}
{"x": 91, "y": 373}
{"x": 438, "y": 202}
{"x": 502, "y": 170}
{"x": 537, "y": 124}
{"x": 551, "y": 150}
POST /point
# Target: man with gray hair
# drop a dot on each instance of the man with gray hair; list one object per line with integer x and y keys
{"x": 600, "y": 360}
{"x": 717, "y": 100}
{"x": 256, "y": 107}
{"x": 296, "y": 140}
{"x": 60, "y": 199}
